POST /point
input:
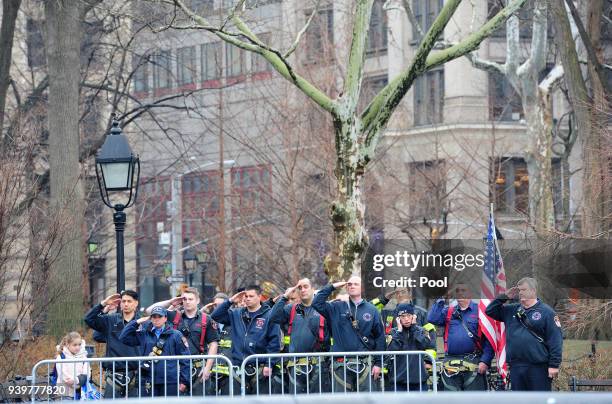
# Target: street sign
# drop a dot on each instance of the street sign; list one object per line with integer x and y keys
{"x": 172, "y": 279}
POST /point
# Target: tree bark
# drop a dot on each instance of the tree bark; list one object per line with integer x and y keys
{"x": 590, "y": 139}
{"x": 63, "y": 21}
{"x": 10, "y": 8}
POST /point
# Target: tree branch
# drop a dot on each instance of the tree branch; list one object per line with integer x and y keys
{"x": 591, "y": 54}
{"x": 273, "y": 56}
{"x": 378, "y": 112}
{"x": 299, "y": 35}
{"x": 354, "y": 73}
{"x": 486, "y": 65}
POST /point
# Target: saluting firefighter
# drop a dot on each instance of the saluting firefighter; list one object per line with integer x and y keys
{"x": 156, "y": 338}
{"x": 109, "y": 326}
{"x": 389, "y": 317}
{"x": 408, "y": 374}
{"x": 198, "y": 330}
{"x": 219, "y": 375}
{"x": 252, "y": 333}
{"x": 467, "y": 352}
{"x": 356, "y": 327}
{"x": 307, "y": 331}
{"x": 533, "y": 336}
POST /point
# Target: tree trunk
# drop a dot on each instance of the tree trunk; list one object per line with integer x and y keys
{"x": 583, "y": 109}
{"x": 7, "y": 32}
{"x": 347, "y": 211}
{"x": 63, "y": 20}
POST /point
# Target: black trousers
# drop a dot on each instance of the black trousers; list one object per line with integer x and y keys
{"x": 465, "y": 381}
{"x": 530, "y": 378}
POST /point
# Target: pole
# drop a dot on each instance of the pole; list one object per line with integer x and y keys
{"x": 177, "y": 234}
{"x": 119, "y": 218}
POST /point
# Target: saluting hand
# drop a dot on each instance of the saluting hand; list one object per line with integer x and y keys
{"x": 113, "y": 299}
{"x": 340, "y": 284}
{"x": 512, "y": 293}
{"x": 142, "y": 320}
{"x": 399, "y": 324}
{"x": 289, "y": 291}
{"x": 237, "y": 297}
{"x": 208, "y": 307}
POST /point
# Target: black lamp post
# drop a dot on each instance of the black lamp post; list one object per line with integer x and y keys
{"x": 116, "y": 169}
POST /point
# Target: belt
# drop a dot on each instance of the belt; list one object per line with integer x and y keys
{"x": 220, "y": 369}
{"x": 302, "y": 362}
{"x": 454, "y": 366}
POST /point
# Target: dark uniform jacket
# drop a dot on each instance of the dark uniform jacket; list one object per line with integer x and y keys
{"x": 459, "y": 341}
{"x": 415, "y": 338}
{"x": 523, "y": 347}
{"x": 146, "y": 338}
{"x": 340, "y": 316}
{"x": 191, "y": 328}
{"x": 110, "y": 326}
{"x": 305, "y": 328}
{"x": 252, "y": 333}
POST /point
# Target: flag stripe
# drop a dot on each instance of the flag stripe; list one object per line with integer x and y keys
{"x": 493, "y": 283}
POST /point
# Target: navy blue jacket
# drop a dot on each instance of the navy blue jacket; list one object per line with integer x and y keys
{"x": 523, "y": 348}
{"x": 145, "y": 338}
{"x": 110, "y": 326}
{"x": 194, "y": 332}
{"x": 339, "y": 316}
{"x": 252, "y": 333}
{"x": 459, "y": 342}
{"x": 305, "y": 328}
{"x": 415, "y": 338}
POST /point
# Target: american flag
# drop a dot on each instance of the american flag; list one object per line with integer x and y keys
{"x": 493, "y": 283}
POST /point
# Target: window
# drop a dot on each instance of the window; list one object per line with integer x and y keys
{"x": 141, "y": 75}
{"x": 252, "y": 185}
{"x": 211, "y": 61}
{"x": 369, "y": 88}
{"x": 161, "y": 70}
{"x": 319, "y": 38}
{"x": 35, "y": 43}
{"x": 429, "y": 98}
{"x": 258, "y": 63}
{"x": 425, "y": 12}
{"x": 427, "y": 188}
{"x": 185, "y": 65}
{"x": 203, "y": 7}
{"x": 377, "y": 35}
{"x": 200, "y": 192}
{"x": 234, "y": 61}
{"x": 525, "y": 16}
{"x": 154, "y": 195}
{"x": 504, "y": 103}
{"x": 511, "y": 184}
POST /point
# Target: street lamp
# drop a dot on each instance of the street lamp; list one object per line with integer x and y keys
{"x": 177, "y": 222}
{"x": 116, "y": 169}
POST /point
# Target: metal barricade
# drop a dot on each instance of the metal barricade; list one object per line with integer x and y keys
{"x": 333, "y": 372}
{"x": 134, "y": 377}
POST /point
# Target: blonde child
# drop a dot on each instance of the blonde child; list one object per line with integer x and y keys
{"x": 72, "y": 375}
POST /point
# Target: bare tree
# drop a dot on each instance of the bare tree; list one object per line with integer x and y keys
{"x": 10, "y": 8}
{"x": 587, "y": 108}
{"x": 356, "y": 133}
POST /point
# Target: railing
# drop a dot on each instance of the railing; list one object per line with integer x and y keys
{"x": 290, "y": 374}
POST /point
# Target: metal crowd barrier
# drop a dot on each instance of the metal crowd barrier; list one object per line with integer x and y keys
{"x": 292, "y": 374}
{"x": 332, "y": 372}
{"x": 130, "y": 384}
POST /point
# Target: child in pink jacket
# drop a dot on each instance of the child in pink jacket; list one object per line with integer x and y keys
{"x": 72, "y": 375}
